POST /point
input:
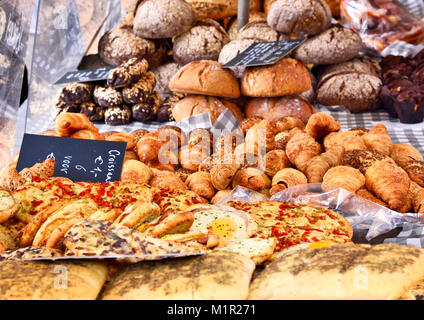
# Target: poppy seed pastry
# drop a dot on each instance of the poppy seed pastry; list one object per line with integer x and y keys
{"x": 158, "y": 19}
{"x": 203, "y": 41}
{"x": 334, "y": 45}
{"x": 116, "y": 116}
{"x": 299, "y": 17}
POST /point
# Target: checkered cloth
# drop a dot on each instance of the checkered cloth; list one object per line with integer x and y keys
{"x": 411, "y": 235}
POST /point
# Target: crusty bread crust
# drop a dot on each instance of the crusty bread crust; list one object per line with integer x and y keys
{"x": 288, "y": 76}
{"x": 207, "y": 78}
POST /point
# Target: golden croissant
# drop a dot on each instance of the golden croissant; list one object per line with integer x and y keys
{"x": 321, "y": 124}
{"x": 319, "y": 165}
{"x": 67, "y": 123}
{"x": 389, "y": 182}
{"x": 378, "y": 139}
{"x": 287, "y": 178}
{"x": 348, "y": 178}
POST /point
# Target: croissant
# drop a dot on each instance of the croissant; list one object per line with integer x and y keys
{"x": 200, "y": 183}
{"x": 288, "y": 123}
{"x": 389, "y": 182}
{"x": 301, "y": 148}
{"x": 167, "y": 180}
{"x": 227, "y": 143}
{"x": 402, "y": 153}
{"x": 319, "y": 165}
{"x": 287, "y": 178}
{"x": 67, "y": 123}
{"x": 417, "y": 197}
{"x": 156, "y": 164}
{"x": 172, "y": 135}
{"x": 251, "y": 178}
{"x": 408, "y": 204}
{"x": 262, "y": 135}
{"x": 123, "y": 137}
{"x": 220, "y": 195}
{"x": 378, "y": 138}
{"x": 137, "y": 172}
{"x": 148, "y": 147}
{"x": 276, "y": 160}
{"x": 348, "y": 178}
{"x": 350, "y": 140}
{"x": 50, "y": 133}
{"x": 364, "y": 193}
{"x": 87, "y": 134}
{"x": 222, "y": 174}
{"x": 321, "y": 124}
{"x": 192, "y": 156}
{"x": 131, "y": 155}
{"x": 415, "y": 170}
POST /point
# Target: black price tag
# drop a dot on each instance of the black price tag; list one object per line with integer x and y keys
{"x": 85, "y": 75}
{"x": 264, "y": 53}
{"x": 76, "y": 159}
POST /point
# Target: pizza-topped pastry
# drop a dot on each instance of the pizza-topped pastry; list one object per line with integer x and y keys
{"x": 293, "y": 224}
{"x": 176, "y": 200}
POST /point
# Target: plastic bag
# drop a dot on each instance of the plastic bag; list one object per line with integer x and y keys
{"x": 362, "y": 214}
{"x": 382, "y": 22}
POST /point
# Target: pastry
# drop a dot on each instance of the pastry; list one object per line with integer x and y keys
{"x": 87, "y": 134}
{"x": 196, "y": 104}
{"x": 169, "y": 180}
{"x": 363, "y": 159}
{"x": 107, "y": 97}
{"x": 92, "y": 111}
{"x": 402, "y": 153}
{"x": 123, "y": 137}
{"x": 287, "y": 178}
{"x": 378, "y": 138}
{"x": 116, "y": 116}
{"x": 288, "y": 76}
{"x": 203, "y": 41}
{"x": 415, "y": 170}
{"x": 146, "y": 111}
{"x": 350, "y": 140}
{"x": 68, "y": 123}
{"x": 76, "y": 93}
{"x": 276, "y": 160}
{"x": 321, "y": 124}
{"x": 127, "y": 73}
{"x": 200, "y": 182}
{"x": 163, "y": 19}
{"x": 334, "y": 45}
{"x": 319, "y": 165}
{"x": 205, "y": 77}
{"x": 344, "y": 177}
{"x": 276, "y": 108}
{"x": 300, "y": 17}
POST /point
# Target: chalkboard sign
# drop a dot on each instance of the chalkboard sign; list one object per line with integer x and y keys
{"x": 85, "y": 75}
{"x": 76, "y": 159}
{"x": 264, "y": 53}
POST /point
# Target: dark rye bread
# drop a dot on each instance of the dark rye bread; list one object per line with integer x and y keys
{"x": 334, "y": 45}
{"x": 348, "y": 271}
{"x": 159, "y": 19}
{"x": 203, "y": 41}
{"x": 354, "y": 84}
{"x": 207, "y": 277}
{"x": 299, "y": 17}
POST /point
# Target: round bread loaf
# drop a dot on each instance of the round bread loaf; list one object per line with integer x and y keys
{"x": 158, "y": 19}
{"x": 203, "y": 41}
{"x": 286, "y": 77}
{"x": 232, "y": 50}
{"x": 194, "y": 105}
{"x": 299, "y": 17}
{"x": 205, "y": 77}
{"x": 334, "y": 45}
{"x": 232, "y": 28}
{"x": 120, "y": 44}
{"x": 163, "y": 74}
{"x": 276, "y": 108}
{"x": 354, "y": 85}
{"x": 260, "y": 31}
{"x": 219, "y": 9}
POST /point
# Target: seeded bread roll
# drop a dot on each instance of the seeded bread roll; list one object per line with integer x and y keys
{"x": 347, "y": 271}
{"x": 299, "y": 17}
{"x": 163, "y": 74}
{"x": 334, "y": 45}
{"x": 219, "y": 9}
{"x": 205, "y": 77}
{"x": 276, "y": 108}
{"x": 158, "y": 19}
{"x": 208, "y": 277}
{"x": 120, "y": 44}
{"x": 194, "y": 105}
{"x": 203, "y": 41}
{"x": 286, "y": 77}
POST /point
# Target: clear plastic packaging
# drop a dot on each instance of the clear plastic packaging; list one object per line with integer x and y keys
{"x": 382, "y": 22}
{"x": 363, "y": 215}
